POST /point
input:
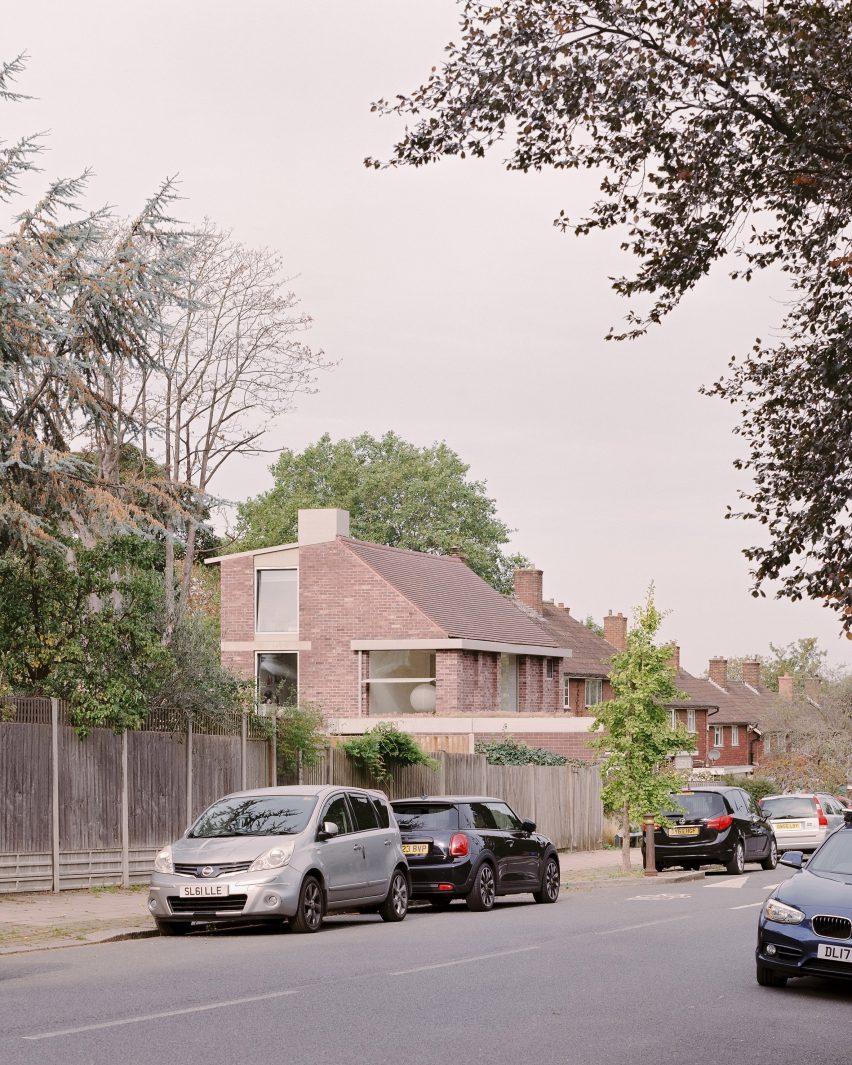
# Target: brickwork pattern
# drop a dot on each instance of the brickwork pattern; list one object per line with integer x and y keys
{"x": 700, "y": 736}
{"x": 237, "y": 596}
{"x": 731, "y": 755}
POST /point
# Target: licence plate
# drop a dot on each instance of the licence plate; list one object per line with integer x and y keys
{"x": 416, "y": 850}
{"x": 789, "y": 826}
{"x": 832, "y": 953}
{"x": 690, "y": 831}
{"x": 204, "y": 891}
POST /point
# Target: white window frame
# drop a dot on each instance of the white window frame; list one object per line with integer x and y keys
{"x": 718, "y": 736}
{"x": 566, "y": 692}
{"x": 690, "y": 721}
{"x": 256, "y": 604}
{"x": 593, "y": 680}
{"x": 735, "y": 735}
{"x": 672, "y": 719}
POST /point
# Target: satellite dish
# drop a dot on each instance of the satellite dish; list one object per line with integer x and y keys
{"x": 714, "y": 756}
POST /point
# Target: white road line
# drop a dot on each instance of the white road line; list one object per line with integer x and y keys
{"x": 167, "y": 1013}
{"x": 645, "y": 924}
{"x": 771, "y": 887}
{"x": 748, "y": 906}
{"x": 462, "y": 961}
{"x": 734, "y": 882}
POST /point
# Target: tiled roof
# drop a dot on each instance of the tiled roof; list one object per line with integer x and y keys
{"x": 452, "y": 595}
{"x": 699, "y": 692}
{"x": 739, "y": 704}
{"x": 591, "y": 654}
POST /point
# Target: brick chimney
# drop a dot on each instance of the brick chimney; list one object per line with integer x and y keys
{"x": 528, "y": 588}
{"x": 615, "y": 630}
{"x": 785, "y": 687}
{"x": 751, "y": 673}
{"x": 674, "y": 661}
{"x": 813, "y": 689}
{"x": 719, "y": 672}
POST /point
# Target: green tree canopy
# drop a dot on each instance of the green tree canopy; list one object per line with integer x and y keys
{"x": 638, "y": 741}
{"x": 801, "y": 659}
{"x": 720, "y": 130}
{"x": 396, "y": 494}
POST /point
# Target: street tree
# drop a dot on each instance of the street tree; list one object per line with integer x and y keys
{"x": 636, "y": 739}
{"x": 396, "y": 494}
{"x": 721, "y": 131}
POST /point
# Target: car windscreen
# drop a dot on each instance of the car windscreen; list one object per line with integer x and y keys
{"x": 834, "y": 857}
{"x": 788, "y": 806}
{"x": 700, "y": 804}
{"x": 426, "y": 816}
{"x": 275, "y": 815}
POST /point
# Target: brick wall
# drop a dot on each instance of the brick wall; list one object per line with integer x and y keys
{"x": 236, "y": 577}
{"x": 700, "y": 736}
{"x": 730, "y": 755}
{"x": 577, "y": 694}
{"x": 467, "y": 681}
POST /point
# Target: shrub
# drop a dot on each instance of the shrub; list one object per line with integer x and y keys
{"x": 383, "y": 748}
{"x": 509, "y": 752}
{"x": 299, "y": 728}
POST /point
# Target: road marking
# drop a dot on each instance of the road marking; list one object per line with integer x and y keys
{"x": 747, "y": 906}
{"x": 167, "y": 1013}
{"x": 645, "y": 924}
{"x": 462, "y": 961}
{"x": 771, "y": 887}
{"x": 656, "y": 898}
{"x": 734, "y": 882}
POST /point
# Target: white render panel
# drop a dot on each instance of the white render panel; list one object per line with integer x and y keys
{"x": 322, "y": 526}
{"x": 431, "y": 724}
{"x": 280, "y": 558}
{"x": 460, "y": 645}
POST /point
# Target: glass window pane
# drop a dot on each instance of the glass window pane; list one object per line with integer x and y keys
{"x": 365, "y": 815}
{"x": 425, "y": 816}
{"x": 277, "y": 816}
{"x": 566, "y": 691}
{"x": 482, "y": 815}
{"x": 594, "y": 691}
{"x": 504, "y": 819}
{"x": 386, "y": 664}
{"x": 278, "y": 678}
{"x": 338, "y": 812}
{"x": 277, "y": 600}
{"x": 382, "y": 812}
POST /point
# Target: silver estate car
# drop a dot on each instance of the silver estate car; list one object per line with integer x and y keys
{"x": 802, "y": 819}
{"x": 276, "y": 854}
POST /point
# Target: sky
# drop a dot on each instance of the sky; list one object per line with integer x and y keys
{"x": 451, "y": 307}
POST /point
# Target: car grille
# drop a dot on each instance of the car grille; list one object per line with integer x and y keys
{"x": 228, "y": 903}
{"x": 786, "y": 953}
{"x": 832, "y": 927}
{"x": 218, "y": 870}
{"x": 824, "y": 967}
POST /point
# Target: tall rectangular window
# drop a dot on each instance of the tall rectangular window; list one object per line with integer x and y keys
{"x": 277, "y": 678}
{"x": 594, "y": 691}
{"x": 566, "y": 692}
{"x": 735, "y": 735}
{"x": 717, "y": 735}
{"x": 509, "y": 682}
{"x": 277, "y": 607}
{"x": 672, "y": 719}
{"x": 690, "y": 721}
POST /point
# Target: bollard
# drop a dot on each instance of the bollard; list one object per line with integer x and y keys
{"x": 648, "y": 828}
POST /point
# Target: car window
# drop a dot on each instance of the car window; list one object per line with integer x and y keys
{"x": 279, "y": 815}
{"x": 753, "y": 808}
{"x": 737, "y": 801}
{"x": 834, "y": 857}
{"x": 426, "y": 816}
{"x": 829, "y": 805}
{"x": 382, "y": 811}
{"x": 482, "y": 815}
{"x": 365, "y": 815}
{"x": 788, "y": 806}
{"x": 701, "y": 803}
{"x": 338, "y": 812}
{"x": 504, "y": 819}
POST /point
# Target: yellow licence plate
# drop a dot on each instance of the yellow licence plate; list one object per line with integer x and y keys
{"x": 682, "y": 831}
{"x": 416, "y": 850}
{"x": 789, "y": 825}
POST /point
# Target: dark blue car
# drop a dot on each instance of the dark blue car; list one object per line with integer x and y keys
{"x": 805, "y": 926}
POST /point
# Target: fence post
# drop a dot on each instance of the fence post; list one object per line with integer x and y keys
{"x": 54, "y": 791}
{"x": 299, "y": 770}
{"x": 125, "y": 815}
{"x": 243, "y": 752}
{"x": 188, "y": 770}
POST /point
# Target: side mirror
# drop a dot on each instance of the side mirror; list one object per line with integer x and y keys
{"x": 528, "y": 826}
{"x": 328, "y": 831}
{"x": 795, "y": 859}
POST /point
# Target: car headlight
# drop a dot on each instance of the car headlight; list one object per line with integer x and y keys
{"x": 163, "y": 862}
{"x": 774, "y": 910}
{"x": 274, "y": 858}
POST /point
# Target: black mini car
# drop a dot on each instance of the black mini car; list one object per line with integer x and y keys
{"x": 474, "y": 848}
{"x": 714, "y": 825}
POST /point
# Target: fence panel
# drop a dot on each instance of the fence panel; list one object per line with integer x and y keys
{"x": 24, "y": 788}
{"x": 89, "y": 790}
{"x": 156, "y": 787}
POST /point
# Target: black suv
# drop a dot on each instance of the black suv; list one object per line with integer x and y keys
{"x": 711, "y": 826}
{"x": 473, "y": 848}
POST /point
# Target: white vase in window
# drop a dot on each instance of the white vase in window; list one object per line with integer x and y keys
{"x": 423, "y": 697}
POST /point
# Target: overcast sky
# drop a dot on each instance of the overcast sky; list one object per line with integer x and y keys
{"x": 456, "y": 311}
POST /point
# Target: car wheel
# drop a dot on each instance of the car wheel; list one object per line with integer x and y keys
{"x": 481, "y": 895}
{"x": 737, "y": 863}
{"x": 173, "y": 928}
{"x": 308, "y": 917}
{"x": 769, "y": 978}
{"x": 549, "y": 891}
{"x": 659, "y": 866}
{"x": 395, "y": 906}
{"x": 771, "y": 859}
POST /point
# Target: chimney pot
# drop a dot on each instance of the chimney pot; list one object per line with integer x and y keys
{"x": 785, "y": 687}
{"x": 615, "y": 630}
{"x": 528, "y": 588}
{"x": 719, "y": 672}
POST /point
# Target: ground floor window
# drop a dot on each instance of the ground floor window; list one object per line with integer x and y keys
{"x": 717, "y": 735}
{"x": 735, "y": 735}
{"x": 401, "y": 682}
{"x": 594, "y": 691}
{"x": 566, "y": 692}
{"x": 277, "y": 678}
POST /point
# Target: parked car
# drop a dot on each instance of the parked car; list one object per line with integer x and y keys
{"x": 276, "y": 854}
{"x": 802, "y": 820}
{"x": 805, "y": 926}
{"x": 474, "y": 848}
{"x": 714, "y": 825}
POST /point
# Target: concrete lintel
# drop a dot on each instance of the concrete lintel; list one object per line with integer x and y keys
{"x": 270, "y": 643}
{"x": 460, "y": 645}
{"x": 432, "y": 724}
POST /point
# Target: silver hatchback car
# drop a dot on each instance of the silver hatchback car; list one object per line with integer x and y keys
{"x": 276, "y": 854}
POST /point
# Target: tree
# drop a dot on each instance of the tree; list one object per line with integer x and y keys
{"x": 721, "y": 130}
{"x": 802, "y": 659}
{"x": 637, "y": 740}
{"x": 594, "y": 626}
{"x": 396, "y": 494}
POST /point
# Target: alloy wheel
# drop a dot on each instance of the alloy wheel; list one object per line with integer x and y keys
{"x": 312, "y": 905}
{"x": 399, "y": 895}
{"x": 551, "y": 879}
{"x": 486, "y": 886}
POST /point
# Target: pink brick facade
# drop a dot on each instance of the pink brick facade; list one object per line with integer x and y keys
{"x": 700, "y": 735}
{"x": 746, "y": 751}
{"x": 236, "y": 584}
{"x": 577, "y": 692}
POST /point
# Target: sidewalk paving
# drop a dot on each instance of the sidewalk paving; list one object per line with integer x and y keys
{"x": 42, "y": 920}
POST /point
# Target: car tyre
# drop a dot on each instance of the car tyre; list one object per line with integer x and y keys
{"x": 769, "y": 978}
{"x": 309, "y": 915}
{"x": 481, "y": 896}
{"x": 395, "y": 906}
{"x": 549, "y": 891}
{"x": 737, "y": 864}
{"x": 659, "y": 866}
{"x": 771, "y": 860}
{"x": 173, "y": 928}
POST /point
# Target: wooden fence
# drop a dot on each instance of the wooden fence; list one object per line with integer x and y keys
{"x": 77, "y": 812}
{"x": 564, "y": 801}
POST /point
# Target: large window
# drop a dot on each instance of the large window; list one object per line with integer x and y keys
{"x": 401, "y": 682}
{"x": 594, "y": 691}
{"x": 277, "y": 608}
{"x": 277, "y": 679}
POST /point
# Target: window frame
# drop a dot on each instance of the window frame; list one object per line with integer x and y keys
{"x": 718, "y": 736}
{"x": 257, "y": 582}
{"x": 691, "y": 722}
{"x": 592, "y": 680}
{"x": 332, "y": 799}
{"x": 735, "y": 735}
{"x": 354, "y": 796}
{"x": 566, "y": 691}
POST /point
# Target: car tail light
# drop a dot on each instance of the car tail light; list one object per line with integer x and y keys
{"x": 459, "y": 845}
{"x": 719, "y": 824}
{"x": 821, "y": 818}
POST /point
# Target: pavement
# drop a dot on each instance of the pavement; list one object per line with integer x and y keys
{"x": 43, "y": 921}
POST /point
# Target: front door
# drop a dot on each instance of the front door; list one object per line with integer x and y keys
{"x": 342, "y": 857}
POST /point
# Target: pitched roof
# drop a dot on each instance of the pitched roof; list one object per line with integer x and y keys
{"x": 591, "y": 653}
{"x": 699, "y": 692}
{"x": 741, "y": 704}
{"x": 452, "y": 595}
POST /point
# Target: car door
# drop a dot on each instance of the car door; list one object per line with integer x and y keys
{"x": 340, "y": 857}
{"x": 760, "y": 831}
{"x": 389, "y": 835}
{"x": 525, "y": 849}
{"x": 372, "y": 840}
{"x": 496, "y": 841}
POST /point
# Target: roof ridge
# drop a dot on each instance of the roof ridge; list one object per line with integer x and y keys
{"x": 406, "y": 551}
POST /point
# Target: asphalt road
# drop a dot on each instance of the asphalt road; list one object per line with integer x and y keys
{"x": 622, "y": 973}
